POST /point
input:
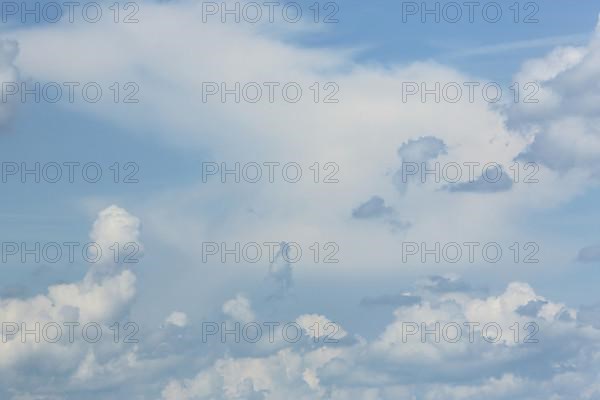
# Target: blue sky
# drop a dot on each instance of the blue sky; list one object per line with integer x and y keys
{"x": 359, "y": 211}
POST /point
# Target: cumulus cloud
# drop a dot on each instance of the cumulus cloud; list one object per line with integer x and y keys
{"x": 279, "y": 376}
{"x": 319, "y": 326}
{"x": 116, "y": 225}
{"x": 563, "y": 122}
{"x": 239, "y": 309}
{"x": 177, "y": 318}
{"x": 562, "y": 365}
{"x": 476, "y": 364}
{"x": 332, "y": 131}
{"x": 96, "y": 299}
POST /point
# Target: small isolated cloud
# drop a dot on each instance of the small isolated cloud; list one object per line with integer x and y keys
{"x": 374, "y": 208}
{"x": 589, "y": 254}
{"x": 116, "y": 225}
{"x": 423, "y": 149}
{"x": 239, "y": 309}
{"x": 417, "y": 151}
{"x": 178, "y": 319}
{"x": 492, "y": 180}
{"x": 396, "y": 300}
{"x": 445, "y": 284}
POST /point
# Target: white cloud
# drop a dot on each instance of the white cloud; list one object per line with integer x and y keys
{"x": 564, "y": 123}
{"x": 115, "y": 225}
{"x": 387, "y": 366}
{"x": 239, "y": 309}
{"x": 102, "y": 299}
{"x": 364, "y": 143}
{"x": 177, "y": 318}
{"x": 319, "y": 326}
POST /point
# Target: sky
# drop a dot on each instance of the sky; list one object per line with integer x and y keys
{"x": 299, "y": 200}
